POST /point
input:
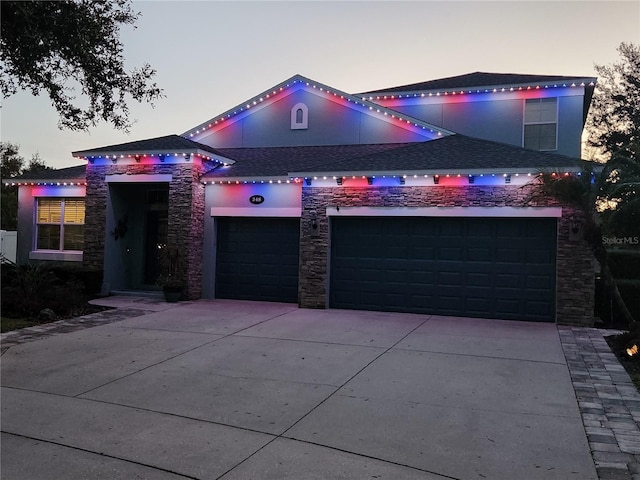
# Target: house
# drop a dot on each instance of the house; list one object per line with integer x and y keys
{"x": 413, "y": 199}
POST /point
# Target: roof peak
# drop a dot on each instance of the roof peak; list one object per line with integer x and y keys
{"x": 164, "y": 144}
{"x": 300, "y": 81}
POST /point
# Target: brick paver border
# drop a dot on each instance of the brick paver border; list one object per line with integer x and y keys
{"x": 608, "y": 400}
{"x": 29, "y": 334}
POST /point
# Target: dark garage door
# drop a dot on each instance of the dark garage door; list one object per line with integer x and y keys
{"x": 257, "y": 259}
{"x": 473, "y": 267}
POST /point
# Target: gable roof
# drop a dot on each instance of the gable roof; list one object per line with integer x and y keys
{"x": 168, "y": 144}
{"x": 299, "y": 81}
{"x": 484, "y": 80}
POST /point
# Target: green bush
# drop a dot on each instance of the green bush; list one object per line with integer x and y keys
{"x": 28, "y": 289}
{"x": 625, "y": 264}
{"x": 604, "y": 309}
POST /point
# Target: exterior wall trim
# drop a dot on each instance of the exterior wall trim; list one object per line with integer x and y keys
{"x": 56, "y": 256}
{"x": 255, "y": 212}
{"x": 135, "y": 178}
{"x": 533, "y": 212}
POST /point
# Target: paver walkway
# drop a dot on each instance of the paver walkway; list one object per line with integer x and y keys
{"x": 608, "y": 401}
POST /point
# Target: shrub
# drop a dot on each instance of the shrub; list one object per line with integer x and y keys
{"x": 28, "y": 289}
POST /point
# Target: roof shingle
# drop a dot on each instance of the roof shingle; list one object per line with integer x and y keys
{"x": 69, "y": 174}
{"x": 476, "y": 79}
{"x": 455, "y": 152}
{"x": 168, "y": 143}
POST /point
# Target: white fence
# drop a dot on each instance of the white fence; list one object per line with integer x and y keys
{"x": 8, "y": 244}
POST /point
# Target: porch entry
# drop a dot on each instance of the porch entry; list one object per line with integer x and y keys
{"x": 137, "y": 233}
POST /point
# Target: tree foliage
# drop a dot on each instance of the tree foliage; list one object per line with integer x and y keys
{"x": 600, "y": 193}
{"x": 614, "y": 129}
{"x": 12, "y": 165}
{"x": 608, "y": 194}
{"x": 56, "y": 47}
{"x": 614, "y": 119}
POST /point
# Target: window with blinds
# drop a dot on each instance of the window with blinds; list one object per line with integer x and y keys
{"x": 60, "y": 224}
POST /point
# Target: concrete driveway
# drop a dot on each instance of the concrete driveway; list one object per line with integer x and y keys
{"x": 246, "y": 390}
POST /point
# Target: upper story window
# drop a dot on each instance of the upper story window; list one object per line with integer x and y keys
{"x": 541, "y": 124}
{"x": 299, "y": 117}
{"x": 60, "y": 224}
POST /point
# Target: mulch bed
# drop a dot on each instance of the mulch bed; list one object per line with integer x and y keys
{"x": 79, "y": 310}
{"x": 619, "y": 345}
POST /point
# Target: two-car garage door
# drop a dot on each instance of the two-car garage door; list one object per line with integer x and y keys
{"x": 472, "y": 267}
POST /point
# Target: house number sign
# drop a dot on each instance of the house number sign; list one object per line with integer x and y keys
{"x": 256, "y": 199}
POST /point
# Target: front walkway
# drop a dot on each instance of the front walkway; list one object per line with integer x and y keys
{"x": 609, "y": 402}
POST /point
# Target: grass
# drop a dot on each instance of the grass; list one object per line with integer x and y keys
{"x": 10, "y": 324}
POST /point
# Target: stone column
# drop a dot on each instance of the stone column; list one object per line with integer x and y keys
{"x": 95, "y": 216}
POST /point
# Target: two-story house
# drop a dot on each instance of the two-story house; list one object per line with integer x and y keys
{"x": 412, "y": 199}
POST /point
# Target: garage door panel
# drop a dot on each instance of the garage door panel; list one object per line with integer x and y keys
{"x": 422, "y": 279}
{"x": 454, "y": 279}
{"x": 508, "y": 255}
{"x": 422, "y": 251}
{"x": 485, "y": 267}
{"x": 539, "y": 308}
{"x": 507, "y": 308}
{"x": 478, "y": 292}
{"x": 451, "y": 253}
{"x": 479, "y": 304}
{"x": 507, "y": 280}
{"x": 539, "y": 282}
{"x": 478, "y": 280}
{"x": 476, "y": 254}
{"x": 540, "y": 256}
{"x": 480, "y": 230}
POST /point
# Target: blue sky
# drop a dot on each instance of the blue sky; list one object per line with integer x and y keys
{"x": 213, "y": 55}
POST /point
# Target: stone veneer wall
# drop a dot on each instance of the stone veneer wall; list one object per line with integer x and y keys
{"x": 575, "y": 283}
{"x": 186, "y": 214}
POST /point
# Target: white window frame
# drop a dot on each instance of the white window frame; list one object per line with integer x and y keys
{"x": 37, "y": 252}
{"x": 302, "y": 123}
{"x": 526, "y": 123}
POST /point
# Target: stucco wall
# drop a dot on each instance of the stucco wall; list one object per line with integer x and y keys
{"x": 574, "y": 263}
{"x": 329, "y": 123}
{"x": 498, "y": 117}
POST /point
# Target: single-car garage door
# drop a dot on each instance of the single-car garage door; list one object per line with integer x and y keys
{"x": 257, "y": 259}
{"x": 473, "y": 267}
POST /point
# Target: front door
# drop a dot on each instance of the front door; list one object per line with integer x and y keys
{"x": 156, "y": 238}
{"x": 156, "y": 233}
